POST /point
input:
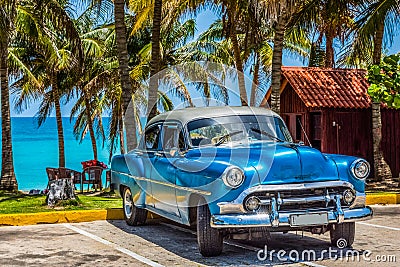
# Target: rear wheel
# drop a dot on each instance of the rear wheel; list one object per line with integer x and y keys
{"x": 342, "y": 235}
{"x": 133, "y": 215}
{"x": 210, "y": 240}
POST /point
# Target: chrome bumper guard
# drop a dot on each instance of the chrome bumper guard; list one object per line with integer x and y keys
{"x": 283, "y": 218}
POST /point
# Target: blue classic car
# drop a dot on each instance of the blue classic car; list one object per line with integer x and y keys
{"x": 234, "y": 172}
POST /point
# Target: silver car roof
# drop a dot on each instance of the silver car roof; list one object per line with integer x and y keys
{"x": 186, "y": 115}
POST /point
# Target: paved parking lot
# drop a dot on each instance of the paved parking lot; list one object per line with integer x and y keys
{"x": 160, "y": 243}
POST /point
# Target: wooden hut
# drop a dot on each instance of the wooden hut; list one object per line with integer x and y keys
{"x": 333, "y": 107}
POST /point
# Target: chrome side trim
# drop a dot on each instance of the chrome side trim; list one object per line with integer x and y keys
{"x": 201, "y": 192}
{"x": 264, "y": 220}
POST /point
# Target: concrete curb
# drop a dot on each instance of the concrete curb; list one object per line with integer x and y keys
{"x": 377, "y": 198}
{"x": 60, "y": 217}
{"x": 117, "y": 214}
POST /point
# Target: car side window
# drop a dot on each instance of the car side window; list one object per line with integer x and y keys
{"x": 151, "y": 138}
{"x": 173, "y": 138}
{"x": 181, "y": 142}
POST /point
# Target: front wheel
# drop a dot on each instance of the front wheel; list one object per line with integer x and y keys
{"x": 133, "y": 215}
{"x": 210, "y": 240}
{"x": 342, "y": 235}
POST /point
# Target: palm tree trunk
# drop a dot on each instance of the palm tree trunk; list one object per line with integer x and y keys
{"x": 90, "y": 123}
{"x": 239, "y": 67}
{"x": 121, "y": 134}
{"x": 382, "y": 169}
{"x": 8, "y": 180}
{"x": 277, "y": 62}
{"x": 378, "y": 39}
{"x": 255, "y": 81}
{"x": 155, "y": 60}
{"x": 125, "y": 80}
{"x": 231, "y": 7}
{"x": 60, "y": 130}
{"x": 329, "y": 53}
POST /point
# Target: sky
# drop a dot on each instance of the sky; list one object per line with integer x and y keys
{"x": 203, "y": 21}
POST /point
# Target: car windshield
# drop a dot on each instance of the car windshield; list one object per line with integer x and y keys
{"x": 222, "y": 130}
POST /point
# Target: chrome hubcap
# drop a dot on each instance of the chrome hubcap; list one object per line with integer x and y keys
{"x": 128, "y": 204}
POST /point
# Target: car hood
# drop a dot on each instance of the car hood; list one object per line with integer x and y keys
{"x": 276, "y": 163}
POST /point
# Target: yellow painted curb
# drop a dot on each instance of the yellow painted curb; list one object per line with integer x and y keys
{"x": 383, "y": 199}
{"x": 115, "y": 214}
{"x": 60, "y": 217}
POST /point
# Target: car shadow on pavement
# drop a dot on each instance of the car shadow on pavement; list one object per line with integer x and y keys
{"x": 181, "y": 241}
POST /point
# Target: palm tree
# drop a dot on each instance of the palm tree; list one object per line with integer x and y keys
{"x": 154, "y": 11}
{"x": 283, "y": 8}
{"x": 277, "y": 15}
{"x": 8, "y": 180}
{"x": 308, "y": 16}
{"x": 332, "y": 19}
{"x": 378, "y": 15}
{"x": 126, "y": 84}
{"x": 98, "y": 43}
{"x": 53, "y": 59}
{"x": 155, "y": 59}
{"x": 374, "y": 19}
{"x": 236, "y": 12}
{"x": 173, "y": 52}
{"x": 213, "y": 46}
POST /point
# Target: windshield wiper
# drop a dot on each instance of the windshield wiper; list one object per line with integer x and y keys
{"x": 224, "y": 137}
{"x": 267, "y": 134}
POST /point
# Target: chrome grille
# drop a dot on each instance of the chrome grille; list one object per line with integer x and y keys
{"x": 300, "y": 199}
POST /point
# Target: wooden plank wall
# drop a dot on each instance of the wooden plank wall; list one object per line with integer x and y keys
{"x": 391, "y": 139}
{"x": 291, "y": 105}
{"x": 354, "y": 132}
{"x": 291, "y": 102}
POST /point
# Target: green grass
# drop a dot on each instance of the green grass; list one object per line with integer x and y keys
{"x": 23, "y": 203}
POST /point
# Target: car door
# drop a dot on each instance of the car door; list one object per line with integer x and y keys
{"x": 149, "y": 146}
{"x": 164, "y": 170}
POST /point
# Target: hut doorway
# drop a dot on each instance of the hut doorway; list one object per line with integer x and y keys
{"x": 316, "y": 129}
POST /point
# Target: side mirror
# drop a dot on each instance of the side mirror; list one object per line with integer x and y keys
{"x": 301, "y": 143}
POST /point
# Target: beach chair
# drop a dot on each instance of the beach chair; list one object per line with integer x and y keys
{"x": 69, "y": 173}
{"x": 92, "y": 176}
{"x": 52, "y": 175}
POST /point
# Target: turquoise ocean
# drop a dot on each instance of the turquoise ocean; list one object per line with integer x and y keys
{"x": 37, "y": 148}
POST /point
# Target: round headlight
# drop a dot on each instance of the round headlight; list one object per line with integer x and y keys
{"x": 348, "y": 196}
{"x": 252, "y": 203}
{"x": 360, "y": 169}
{"x": 233, "y": 177}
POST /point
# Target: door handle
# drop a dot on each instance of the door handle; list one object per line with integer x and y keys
{"x": 158, "y": 154}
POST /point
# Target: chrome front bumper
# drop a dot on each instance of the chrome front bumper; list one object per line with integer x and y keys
{"x": 283, "y": 218}
{"x": 233, "y": 214}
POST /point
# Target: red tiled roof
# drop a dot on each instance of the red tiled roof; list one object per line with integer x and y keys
{"x": 327, "y": 87}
